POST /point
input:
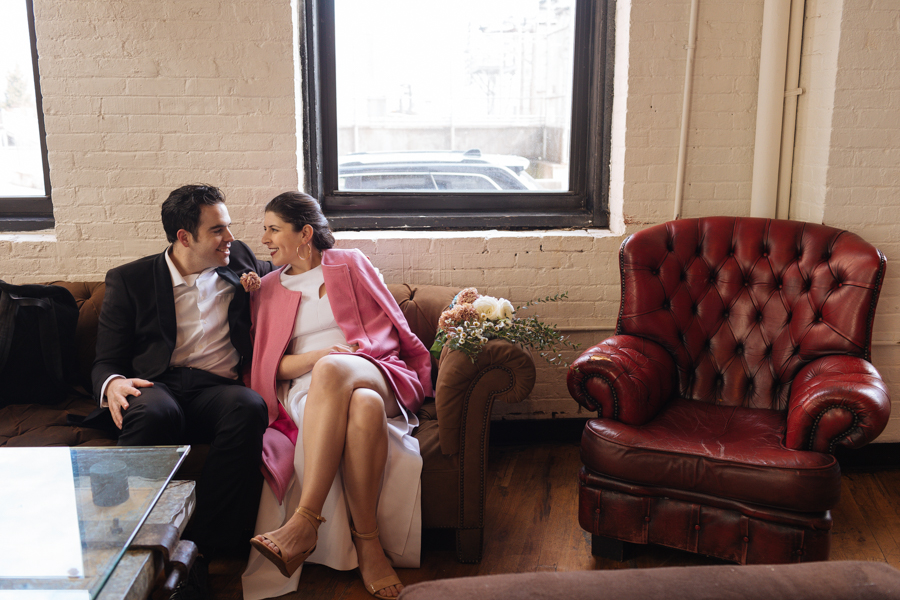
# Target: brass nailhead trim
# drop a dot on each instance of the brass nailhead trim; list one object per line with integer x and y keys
{"x": 833, "y": 443}
{"x": 597, "y": 406}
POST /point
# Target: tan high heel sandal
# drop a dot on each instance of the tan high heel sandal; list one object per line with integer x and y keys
{"x": 287, "y": 566}
{"x": 373, "y": 586}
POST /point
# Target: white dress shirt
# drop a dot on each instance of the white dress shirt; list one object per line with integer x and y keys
{"x": 203, "y": 339}
{"x": 201, "y": 312}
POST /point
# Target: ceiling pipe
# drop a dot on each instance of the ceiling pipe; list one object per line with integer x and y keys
{"x": 770, "y": 108}
{"x": 686, "y": 108}
{"x": 791, "y": 96}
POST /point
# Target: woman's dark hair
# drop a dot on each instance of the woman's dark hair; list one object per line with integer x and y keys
{"x": 301, "y": 209}
{"x": 181, "y": 210}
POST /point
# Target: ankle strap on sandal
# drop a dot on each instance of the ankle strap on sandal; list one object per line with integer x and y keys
{"x": 364, "y": 536}
{"x": 310, "y": 515}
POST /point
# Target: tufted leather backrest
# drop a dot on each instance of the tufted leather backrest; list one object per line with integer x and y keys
{"x": 422, "y": 306}
{"x": 743, "y": 303}
{"x": 89, "y": 298}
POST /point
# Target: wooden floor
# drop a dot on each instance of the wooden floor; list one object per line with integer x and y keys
{"x": 531, "y": 524}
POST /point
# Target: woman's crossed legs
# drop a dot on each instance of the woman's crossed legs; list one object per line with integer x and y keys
{"x": 344, "y": 425}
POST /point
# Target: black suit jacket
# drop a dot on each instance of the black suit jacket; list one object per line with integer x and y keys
{"x": 137, "y": 328}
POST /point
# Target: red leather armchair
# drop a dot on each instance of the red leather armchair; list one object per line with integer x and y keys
{"x": 740, "y": 361}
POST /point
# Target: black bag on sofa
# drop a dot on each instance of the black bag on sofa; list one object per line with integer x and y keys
{"x": 37, "y": 343}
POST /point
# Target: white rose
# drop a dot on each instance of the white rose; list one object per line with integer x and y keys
{"x": 506, "y": 309}
{"x": 488, "y": 307}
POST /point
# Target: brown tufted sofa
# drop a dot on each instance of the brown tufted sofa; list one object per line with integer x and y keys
{"x": 453, "y": 433}
{"x": 740, "y": 361}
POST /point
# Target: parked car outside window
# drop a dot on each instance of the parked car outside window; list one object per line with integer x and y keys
{"x": 434, "y": 171}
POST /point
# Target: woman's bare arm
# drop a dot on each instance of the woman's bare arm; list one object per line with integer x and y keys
{"x": 295, "y": 365}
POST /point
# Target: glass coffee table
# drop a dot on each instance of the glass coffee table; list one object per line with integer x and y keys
{"x": 68, "y": 515}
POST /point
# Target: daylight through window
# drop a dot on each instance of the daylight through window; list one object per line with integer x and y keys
{"x": 454, "y": 96}
{"x": 21, "y": 164}
{"x": 24, "y": 172}
{"x": 457, "y": 115}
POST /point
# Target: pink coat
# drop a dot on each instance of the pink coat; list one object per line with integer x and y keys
{"x": 366, "y": 313}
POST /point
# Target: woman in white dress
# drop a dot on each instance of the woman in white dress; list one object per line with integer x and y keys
{"x": 333, "y": 349}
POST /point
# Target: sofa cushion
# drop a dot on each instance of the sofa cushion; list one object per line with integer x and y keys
{"x": 422, "y": 306}
{"x": 47, "y": 425}
{"x": 725, "y": 451}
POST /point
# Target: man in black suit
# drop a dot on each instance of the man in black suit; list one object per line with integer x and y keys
{"x": 173, "y": 338}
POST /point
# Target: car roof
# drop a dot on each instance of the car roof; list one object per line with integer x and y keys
{"x": 502, "y": 176}
{"x": 474, "y": 156}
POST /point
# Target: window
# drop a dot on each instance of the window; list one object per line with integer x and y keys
{"x": 24, "y": 171}
{"x": 457, "y": 115}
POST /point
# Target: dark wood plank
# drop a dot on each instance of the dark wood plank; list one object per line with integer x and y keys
{"x": 225, "y": 578}
{"x": 563, "y": 507}
{"x": 878, "y": 513}
{"x": 512, "y": 515}
{"x": 851, "y": 537}
{"x": 889, "y": 481}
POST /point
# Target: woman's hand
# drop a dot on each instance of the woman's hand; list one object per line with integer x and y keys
{"x": 340, "y": 348}
{"x": 295, "y": 365}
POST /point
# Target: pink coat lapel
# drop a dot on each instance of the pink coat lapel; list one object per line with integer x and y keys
{"x": 346, "y": 307}
{"x": 271, "y": 338}
{"x": 369, "y": 316}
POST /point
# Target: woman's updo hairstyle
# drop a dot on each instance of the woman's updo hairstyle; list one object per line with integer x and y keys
{"x": 301, "y": 209}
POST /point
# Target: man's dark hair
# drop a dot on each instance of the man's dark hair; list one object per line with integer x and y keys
{"x": 181, "y": 210}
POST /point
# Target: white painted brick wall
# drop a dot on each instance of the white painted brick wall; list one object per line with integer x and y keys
{"x": 143, "y": 97}
{"x": 140, "y": 98}
{"x": 722, "y": 118}
{"x": 863, "y": 177}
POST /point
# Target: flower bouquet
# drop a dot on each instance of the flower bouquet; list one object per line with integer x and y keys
{"x": 472, "y": 319}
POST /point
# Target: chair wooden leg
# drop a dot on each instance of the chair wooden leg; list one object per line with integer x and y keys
{"x": 604, "y": 547}
{"x": 469, "y": 545}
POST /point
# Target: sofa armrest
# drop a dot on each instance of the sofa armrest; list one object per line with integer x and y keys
{"x": 625, "y": 377}
{"x": 465, "y": 391}
{"x": 836, "y": 400}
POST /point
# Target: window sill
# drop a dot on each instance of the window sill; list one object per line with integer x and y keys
{"x": 391, "y": 234}
{"x": 39, "y": 236}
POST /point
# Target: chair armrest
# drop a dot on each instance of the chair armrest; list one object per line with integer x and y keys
{"x": 836, "y": 400}
{"x": 465, "y": 391}
{"x": 625, "y": 377}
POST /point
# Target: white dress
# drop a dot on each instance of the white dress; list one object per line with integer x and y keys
{"x": 399, "y": 509}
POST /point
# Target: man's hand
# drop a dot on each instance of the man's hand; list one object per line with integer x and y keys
{"x": 117, "y": 392}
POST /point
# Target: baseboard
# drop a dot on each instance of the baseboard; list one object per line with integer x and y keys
{"x": 870, "y": 457}
{"x": 514, "y": 432}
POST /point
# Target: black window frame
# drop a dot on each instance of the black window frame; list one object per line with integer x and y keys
{"x": 586, "y": 205}
{"x": 31, "y": 213}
